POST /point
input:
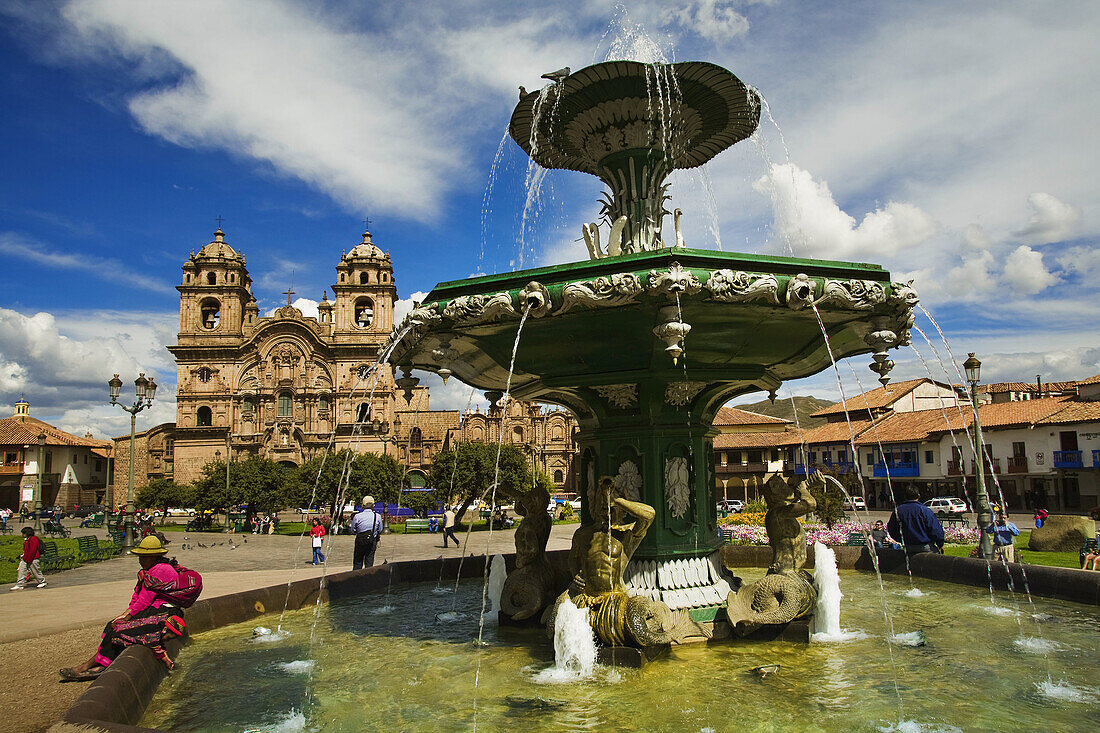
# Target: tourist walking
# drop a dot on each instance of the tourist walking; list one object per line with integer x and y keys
{"x": 1040, "y": 517}
{"x": 317, "y": 538}
{"x": 367, "y": 526}
{"x": 29, "y": 562}
{"x": 915, "y": 526}
{"x": 1004, "y": 538}
{"x": 155, "y": 613}
{"x": 449, "y": 525}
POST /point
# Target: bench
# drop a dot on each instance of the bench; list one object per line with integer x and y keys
{"x": 1088, "y": 547}
{"x": 88, "y": 549}
{"x": 51, "y": 560}
{"x": 117, "y": 536}
{"x": 55, "y": 529}
{"x": 94, "y": 521}
{"x": 200, "y": 524}
{"x": 955, "y": 521}
{"x": 6, "y": 529}
{"x": 855, "y": 539}
{"x": 416, "y": 525}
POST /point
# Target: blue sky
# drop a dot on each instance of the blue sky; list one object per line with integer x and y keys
{"x": 953, "y": 143}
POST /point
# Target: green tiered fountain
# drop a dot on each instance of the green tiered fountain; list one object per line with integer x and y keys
{"x": 648, "y": 339}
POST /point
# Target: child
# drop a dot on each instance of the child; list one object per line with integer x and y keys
{"x": 29, "y": 562}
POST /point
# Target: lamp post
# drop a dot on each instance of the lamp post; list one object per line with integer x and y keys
{"x": 38, "y": 488}
{"x": 144, "y": 391}
{"x": 985, "y": 516}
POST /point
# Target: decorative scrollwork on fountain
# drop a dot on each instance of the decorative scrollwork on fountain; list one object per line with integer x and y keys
{"x": 677, "y": 486}
{"x": 537, "y": 297}
{"x": 729, "y": 286}
{"x": 603, "y": 292}
{"x": 675, "y": 280}
{"x": 672, "y": 331}
{"x": 786, "y": 593}
{"x": 902, "y": 300}
{"x": 881, "y": 338}
{"x": 852, "y": 294}
{"x": 628, "y": 481}
{"x": 620, "y": 396}
{"x": 469, "y": 310}
{"x": 679, "y": 394}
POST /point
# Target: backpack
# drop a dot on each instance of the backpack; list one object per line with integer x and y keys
{"x": 183, "y": 591}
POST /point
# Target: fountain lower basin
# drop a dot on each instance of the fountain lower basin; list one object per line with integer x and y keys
{"x": 407, "y": 669}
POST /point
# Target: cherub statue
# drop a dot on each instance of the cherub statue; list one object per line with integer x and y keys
{"x": 534, "y": 583}
{"x": 785, "y": 506}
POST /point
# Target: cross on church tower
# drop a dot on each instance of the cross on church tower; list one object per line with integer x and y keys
{"x": 289, "y": 292}
{"x": 366, "y": 224}
{"x": 219, "y": 219}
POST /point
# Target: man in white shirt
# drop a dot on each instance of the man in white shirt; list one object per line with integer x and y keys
{"x": 449, "y": 526}
{"x": 367, "y": 526}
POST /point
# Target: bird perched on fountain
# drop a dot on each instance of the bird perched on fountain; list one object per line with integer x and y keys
{"x": 522, "y": 91}
{"x": 557, "y": 76}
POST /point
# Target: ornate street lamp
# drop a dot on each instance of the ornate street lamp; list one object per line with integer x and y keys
{"x": 973, "y": 369}
{"x": 144, "y": 391}
{"x": 38, "y": 489}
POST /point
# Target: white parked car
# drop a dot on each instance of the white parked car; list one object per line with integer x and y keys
{"x": 942, "y": 506}
{"x": 856, "y": 502}
{"x": 731, "y": 505}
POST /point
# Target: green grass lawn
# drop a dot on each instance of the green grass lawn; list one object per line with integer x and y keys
{"x": 1024, "y": 555}
{"x": 12, "y": 547}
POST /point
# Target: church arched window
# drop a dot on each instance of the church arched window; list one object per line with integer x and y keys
{"x": 364, "y": 312}
{"x": 558, "y": 476}
{"x": 285, "y": 404}
{"x": 517, "y": 434}
{"x": 362, "y": 413}
{"x": 204, "y": 417}
{"x": 364, "y": 278}
{"x": 416, "y": 439}
{"x": 211, "y": 278}
{"x": 210, "y": 312}
{"x": 322, "y": 403}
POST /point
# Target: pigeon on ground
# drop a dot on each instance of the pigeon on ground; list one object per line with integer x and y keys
{"x": 558, "y": 75}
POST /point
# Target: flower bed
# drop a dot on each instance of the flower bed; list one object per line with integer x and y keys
{"x": 752, "y": 534}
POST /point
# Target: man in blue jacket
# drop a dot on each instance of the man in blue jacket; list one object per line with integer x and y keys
{"x": 915, "y": 526}
{"x": 1004, "y": 535}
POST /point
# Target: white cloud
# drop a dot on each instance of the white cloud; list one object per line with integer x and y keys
{"x": 404, "y": 306}
{"x": 714, "y": 20}
{"x": 305, "y": 305}
{"x": 1083, "y": 260}
{"x": 61, "y": 363}
{"x": 289, "y": 86}
{"x": 808, "y": 218}
{"x": 1026, "y": 273}
{"x": 16, "y": 245}
{"x": 1051, "y": 220}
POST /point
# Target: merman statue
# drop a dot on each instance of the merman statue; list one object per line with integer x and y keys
{"x": 786, "y": 593}
{"x": 598, "y": 558}
{"x": 535, "y": 582}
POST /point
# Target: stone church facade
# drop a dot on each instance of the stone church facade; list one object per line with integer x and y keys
{"x": 290, "y": 387}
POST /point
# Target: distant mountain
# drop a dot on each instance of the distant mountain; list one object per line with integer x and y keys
{"x": 782, "y": 408}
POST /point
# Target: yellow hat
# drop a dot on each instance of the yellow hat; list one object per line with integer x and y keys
{"x": 150, "y": 546}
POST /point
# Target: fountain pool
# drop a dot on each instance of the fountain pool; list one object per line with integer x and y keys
{"x": 982, "y": 663}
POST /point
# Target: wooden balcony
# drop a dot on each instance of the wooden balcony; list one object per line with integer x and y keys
{"x": 11, "y": 469}
{"x": 738, "y": 469}
{"x": 954, "y": 468}
{"x": 993, "y": 465}
{"x": 1017, "y": 464}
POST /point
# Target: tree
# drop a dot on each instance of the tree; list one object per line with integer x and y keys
{"x": 258, "y": 482}
{"x": 476, "y": 469}
{"x": 164, "y": 494}
{"x": 830, "y": 501}
{"x": 321, "y": 478}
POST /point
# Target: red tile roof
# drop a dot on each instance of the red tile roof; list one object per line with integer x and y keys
{"x": 873, "y": 400}
{"x": 774, "y": 439}
{"x": 835, "y": 432}
{"x": 24, "y": 430}
{"x": 1090, "y": 380}
{"x": 1000, "y": 387}
{"x": 1075, "y": 411}
{"x": 729, "y": 416}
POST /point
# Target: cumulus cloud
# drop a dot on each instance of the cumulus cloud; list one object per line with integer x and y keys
{"x": 305, "y": 305}
{"x": 714, "y": 20}
{"x": 1083, "y": 260}
{"x": 61, "y": 364}
{"x": 403, "y": 306}
{"x": 1051, "y": 220}
{"x": 16, "y": 245}
{"x": 808, "y": 218}
{"x": 1025, "y": 271}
